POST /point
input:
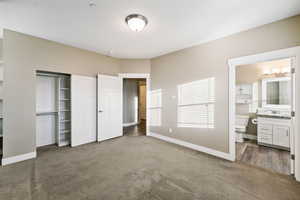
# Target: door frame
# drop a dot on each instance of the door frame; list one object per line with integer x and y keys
{"x": 263, "y": 57}
{"x": 136, "y": 76}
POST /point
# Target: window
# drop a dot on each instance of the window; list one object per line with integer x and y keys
{"x": 155, "y": 107}
{"x": 196, "y": 104}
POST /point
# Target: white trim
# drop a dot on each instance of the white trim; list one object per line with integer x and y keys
{"x": 19, "y": 158}
{"x": 134, "y": 75}
{"x": 147, "y": 77}
{"x": 213, "y": 152}
{"x": 130, "y": 124}
{"x": 263, "y": 57}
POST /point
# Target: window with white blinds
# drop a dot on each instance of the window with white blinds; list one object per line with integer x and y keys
{"x": 196, "y": 104}
{"x": 155, "y": 107}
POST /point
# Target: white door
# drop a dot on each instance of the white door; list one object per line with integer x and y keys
{"x": 109, "y": 107}
{"x": 84, "y": 109}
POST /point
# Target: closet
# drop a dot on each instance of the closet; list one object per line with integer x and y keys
{"x": 53, "y": 109}
{"x": 1, "y": 107}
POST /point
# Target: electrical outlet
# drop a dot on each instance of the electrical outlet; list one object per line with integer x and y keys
{"x": 170, "y": 130}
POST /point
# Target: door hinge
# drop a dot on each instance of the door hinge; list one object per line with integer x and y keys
{"x": 293, "y": 113}
{"x": 292, "y": 157}
{"x": 293, "y": 70}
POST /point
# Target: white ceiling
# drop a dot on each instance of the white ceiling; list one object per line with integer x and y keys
{"x": 173, "y": 24}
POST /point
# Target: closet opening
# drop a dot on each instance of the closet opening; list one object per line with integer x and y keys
{"x": 53, "y": 109}
{"x": 134, "y": 106}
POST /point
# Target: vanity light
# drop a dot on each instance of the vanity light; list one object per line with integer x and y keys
{"x": 275, "y": 71}
{"x": 286, "y": 70}
{"x": 136, "y": 22}
{"x": 267, "y": 72}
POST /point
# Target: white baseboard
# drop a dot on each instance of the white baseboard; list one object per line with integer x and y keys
{"x": 213, "y": 152}
{"x": 19, "y": 158}
{"x": 130, "y": 124}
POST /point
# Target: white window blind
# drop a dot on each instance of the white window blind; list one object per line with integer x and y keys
{"x": 196, "y": 104}
{"x": 155, "y": 107}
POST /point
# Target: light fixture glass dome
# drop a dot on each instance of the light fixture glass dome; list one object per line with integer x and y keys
{"x": 136, "y": 22}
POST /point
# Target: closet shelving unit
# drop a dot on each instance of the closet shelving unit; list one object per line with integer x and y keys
{"x": 64, "y": 111}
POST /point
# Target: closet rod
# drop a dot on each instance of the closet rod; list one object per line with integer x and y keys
{"x": 46, "y": 113}
{"x": 49, "y": 75}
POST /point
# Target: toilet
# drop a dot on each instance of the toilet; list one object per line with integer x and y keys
{"x": 241, "y": 122}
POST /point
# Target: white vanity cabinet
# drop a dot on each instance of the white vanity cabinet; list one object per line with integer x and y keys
{"x": 281, "y": 136}
{"x": 274, "y": 132}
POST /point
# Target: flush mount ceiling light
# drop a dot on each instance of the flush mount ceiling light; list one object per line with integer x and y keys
{"x": 136, "y": 22}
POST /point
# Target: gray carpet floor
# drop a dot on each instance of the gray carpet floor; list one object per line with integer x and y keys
{"x": 139, "y": 168}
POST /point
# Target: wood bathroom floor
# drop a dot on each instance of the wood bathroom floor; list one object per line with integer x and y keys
{"x": 265, "y": 157}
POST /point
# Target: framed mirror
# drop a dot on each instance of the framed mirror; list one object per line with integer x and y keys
{"x": 276, "y": 92}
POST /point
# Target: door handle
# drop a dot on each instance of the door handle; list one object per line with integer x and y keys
{"x": 100, "y": 111}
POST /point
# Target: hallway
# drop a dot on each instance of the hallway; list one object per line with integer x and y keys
{"x": 136, "y": 130}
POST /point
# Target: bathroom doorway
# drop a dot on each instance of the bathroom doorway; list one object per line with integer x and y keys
{"x": 263, "y": 114}
{"x": 262, "y": 105}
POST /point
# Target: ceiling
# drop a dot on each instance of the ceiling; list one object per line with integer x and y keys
{"x": 173, "y": 24}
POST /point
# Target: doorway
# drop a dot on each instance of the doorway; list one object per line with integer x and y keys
{"x": 134, "y": 107}
{"x": 263, "y": 108}
{"x": 275, "y": 120}
{"x": 135, "y": 92}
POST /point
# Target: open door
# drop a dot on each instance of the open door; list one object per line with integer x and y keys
{"x": 109, "y": 107}
{"x": 293, "y": 103}
{"x": 83, "y": 96}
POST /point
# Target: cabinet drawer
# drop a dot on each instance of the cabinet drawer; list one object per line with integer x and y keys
{"x": 265, "y": 138}
{"x": 265, "y": 128}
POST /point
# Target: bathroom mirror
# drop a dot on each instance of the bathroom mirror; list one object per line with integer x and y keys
{"x": 276, "y": 92}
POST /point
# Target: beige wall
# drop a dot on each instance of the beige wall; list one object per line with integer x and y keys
{"x": 210, "y": 60}
{"x": 1, "y": 52}
{"x": 135, "y": 66}
{"x": 23, "y": 55}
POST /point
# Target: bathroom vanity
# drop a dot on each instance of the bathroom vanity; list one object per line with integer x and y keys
{"x": 274, "y": 127}
{"x": 274, "y": 131}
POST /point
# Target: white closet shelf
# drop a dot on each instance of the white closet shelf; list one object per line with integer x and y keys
{"x": 47, "y": 113}
{"x": 65, "y": 131}
{"x": 63, "y": 121}
{"x": 64, "y": 110}
{"x": 64, "y": 88}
